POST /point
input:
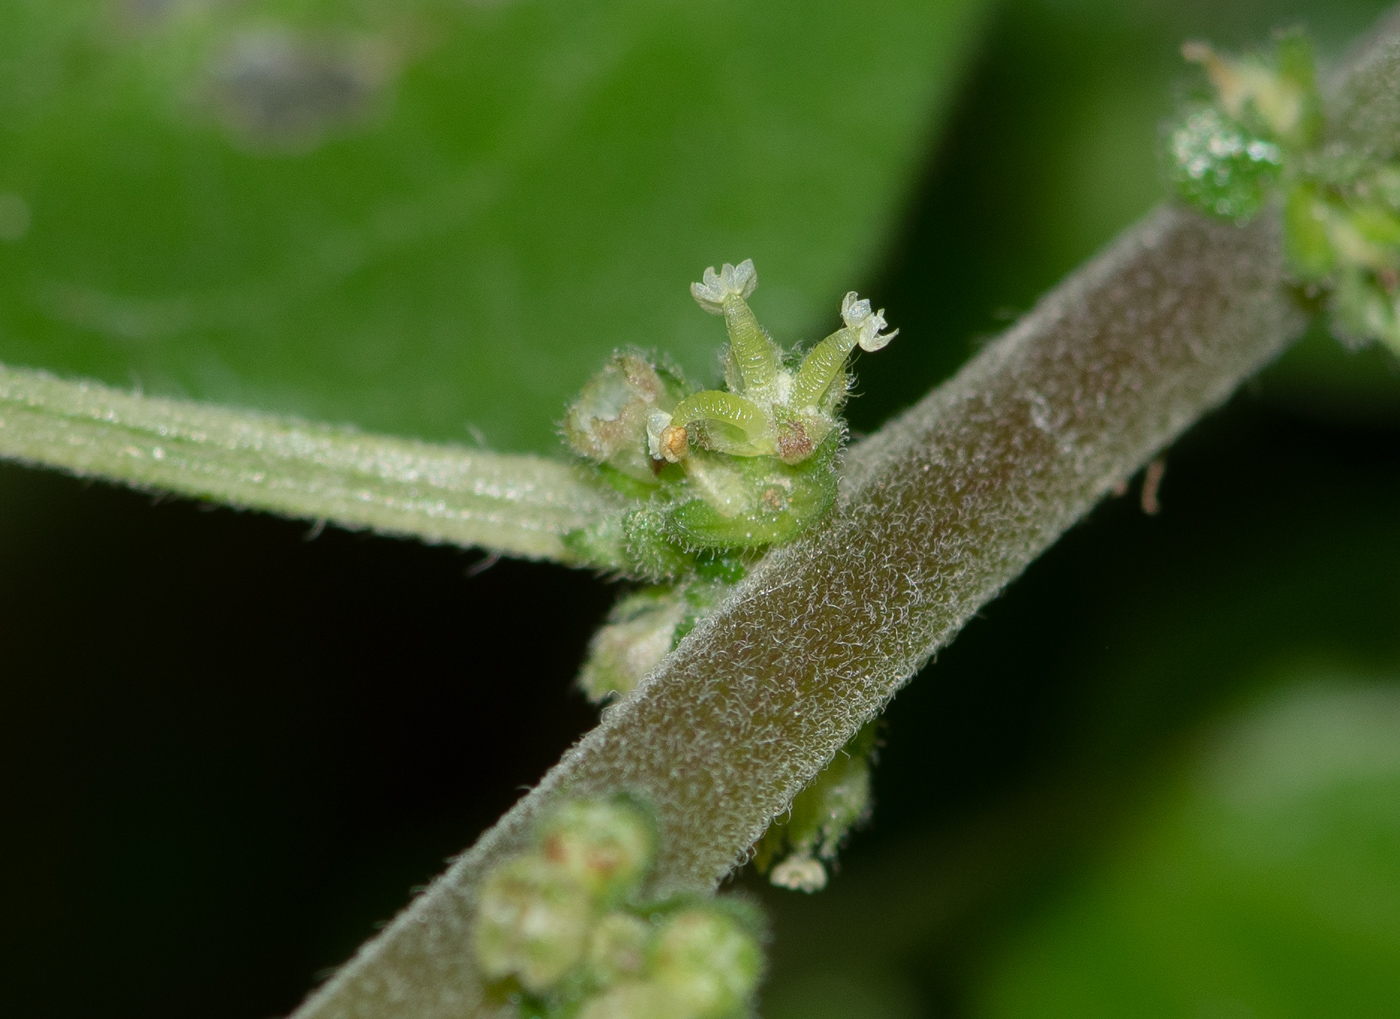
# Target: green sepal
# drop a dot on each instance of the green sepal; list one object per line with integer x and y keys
{"x": 651, "y": 551}
{"x": 721, "y": 565}
{"x": 1297, "y": 66}
{"x": 784, "y": 500}
{"x": 1380, "y": 227}
{"x": 629, "y": 485}
{"x": 1362, "y": 311}
{"x": 602, "y": 546}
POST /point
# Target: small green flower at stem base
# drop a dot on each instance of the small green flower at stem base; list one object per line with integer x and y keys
{"x": 640, "y": 631}
{"x": 708, "y": 961}
{"x": 820, "y": 818}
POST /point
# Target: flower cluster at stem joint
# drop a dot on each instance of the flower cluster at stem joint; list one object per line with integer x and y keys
{"x": 717, "y": 475}
{"x": 1266, "y": 139}
{"x": 560, "y": 929}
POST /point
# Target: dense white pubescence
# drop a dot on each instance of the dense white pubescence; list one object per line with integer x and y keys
{"x": 938, "y": 512}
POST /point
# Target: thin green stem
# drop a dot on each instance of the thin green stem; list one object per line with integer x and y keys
{"x": 517, "y": 505}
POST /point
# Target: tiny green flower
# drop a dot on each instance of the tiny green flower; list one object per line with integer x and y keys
{"x": 606, "y": 844}
{"x": 618, "y": 948}
{"x": 739, "y": 468}
{"x": 1340, "y": 207}
{"x": 532, "y": 922}
{"x": 708, "y": 961}
{"x": 820, "y": 818}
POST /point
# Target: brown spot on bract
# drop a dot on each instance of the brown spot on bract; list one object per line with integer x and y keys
{"x": 794, "y": 444}
{"x": 674, "y": 443}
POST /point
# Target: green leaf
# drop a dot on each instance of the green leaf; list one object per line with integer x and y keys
{"x": 424, "y": 217}
{"x": 1268, "y": 886}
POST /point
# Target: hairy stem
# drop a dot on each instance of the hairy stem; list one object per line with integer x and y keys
{"x": 938, "y": 513}
{"x": 518, "y": 505}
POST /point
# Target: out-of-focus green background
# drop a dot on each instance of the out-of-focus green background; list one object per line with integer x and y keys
{"x": 1159, "y": 777}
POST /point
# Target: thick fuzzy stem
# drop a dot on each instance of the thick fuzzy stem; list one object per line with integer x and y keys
{"x": 939, "y": 512}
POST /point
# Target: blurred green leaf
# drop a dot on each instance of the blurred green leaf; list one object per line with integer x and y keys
{"x": 426, "y": 217}
{"x": 1268, "y": 885}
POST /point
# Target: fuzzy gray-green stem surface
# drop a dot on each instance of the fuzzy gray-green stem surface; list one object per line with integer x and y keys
{"x": 938, "y": 512}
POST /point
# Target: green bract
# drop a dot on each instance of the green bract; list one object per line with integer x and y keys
{"x": 1265, "y": 138}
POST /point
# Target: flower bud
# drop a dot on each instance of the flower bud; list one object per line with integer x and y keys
{"x": 532, "y": 922}
{"x": 640, "y": 631}
{"x": 618, "y": 948}
{"x": 607, "y": 422}
{"x": 800, "y": 873}
{"x": 635, "y": 999}
{"x": 707, "y": 960}
{"x": 606, "y": 845}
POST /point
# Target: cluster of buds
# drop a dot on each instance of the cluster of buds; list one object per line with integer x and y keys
{"x": 1266, "y": 135}
{"x": 560, "y": 930}
{"x": 738, "y": 468}
{"x": 797, "y": 850}
{"x": 1227, "y": 156}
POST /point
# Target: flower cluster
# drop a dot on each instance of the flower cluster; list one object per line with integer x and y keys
{"x": 1266, "y": 135}
{"x": 714, "y": 477}
{"x": 561, "y": 932}
{"x": 729, "y": 470}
